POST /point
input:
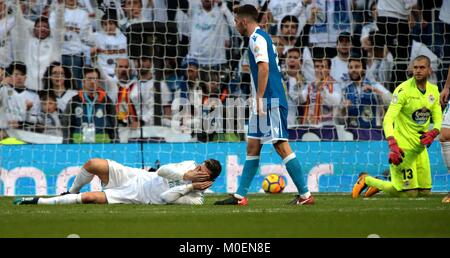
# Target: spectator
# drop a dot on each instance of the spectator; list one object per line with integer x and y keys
{"x": 109, "y": 44}
{"x": 19, "y": 107}
{"x": 364, "y": 100}
{"x": 444, "y": 17}
{"x": 187, "y": 97}
{"x": 147, "y": 92}
{"x": 320, "y": 97}
{"x": 7, "y": 24}
{"x": 393, "y": 31}
{"x": 90, "y": 116}
{"x": 135, "y": 12}
{"x": 328, "y": 20}
{"x": 379, "y": 61}
{"x": 288, "y": 32}
{"x": 294, "y": 82}
{"x": 58, "y": 79}
{"x": 76, "y": 34}
{"x": 36, "y": 45}
{"x": 281, "y": 8}
{"x": 339, "y": 63}
{"x": 210, "y": 35}
{"x": 48, "y": 120}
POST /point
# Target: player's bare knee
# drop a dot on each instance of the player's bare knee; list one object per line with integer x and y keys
{"x": 96, "y": 166}
{"x": 87, "y": 198}
{"x": 412, "y": 193}
{"x": 424, "y": 193}
{"x": 444, "y": 135}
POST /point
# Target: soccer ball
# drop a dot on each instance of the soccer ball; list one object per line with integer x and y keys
{"x": 273, "y": 184}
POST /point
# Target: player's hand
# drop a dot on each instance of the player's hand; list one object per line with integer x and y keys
{"x": 260, "y": 107}
{"x": 202, "y": 185}
{"x": 444, "y": 96}
{"x": 396, "y": 154}
{"x": 196, "y": 175}
{"x": 428, "y": 137}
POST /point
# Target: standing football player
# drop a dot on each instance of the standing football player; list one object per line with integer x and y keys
{"x": 268, "y": 122}
{"x": 406, "y": 125}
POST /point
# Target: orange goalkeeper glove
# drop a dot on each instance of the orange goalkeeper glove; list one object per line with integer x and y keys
{"x": 396, "y": 154}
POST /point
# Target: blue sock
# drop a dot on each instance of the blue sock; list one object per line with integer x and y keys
{"x": 250, "y": 167}
{"x": 295, "y": 171}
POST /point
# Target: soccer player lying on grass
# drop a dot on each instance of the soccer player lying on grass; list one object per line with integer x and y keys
{"x": 413, "y": 104}
{"x": 177, "y": 183}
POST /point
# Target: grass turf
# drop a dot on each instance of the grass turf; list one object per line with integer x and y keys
{"x": 267, "y": 216}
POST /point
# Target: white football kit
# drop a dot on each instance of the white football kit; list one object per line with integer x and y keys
{"x": 137, "y": 186}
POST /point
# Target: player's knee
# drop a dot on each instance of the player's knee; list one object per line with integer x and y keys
{"x": 412, "y": 193}
{"x": 445, "y": 135}
{"x": 424, "y": 192}
{"x": 95, "y": 165}
{"x": 87, "y": 198}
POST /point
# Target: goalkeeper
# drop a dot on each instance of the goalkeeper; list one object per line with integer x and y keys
{"x": 176, "y": 183}
{"x": 406, "y": 125}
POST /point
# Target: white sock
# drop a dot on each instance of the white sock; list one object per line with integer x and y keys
{"x": 446, "y": 153}
{"x": 289, "y": 158}
{"x": 306, "y": 195}
{"x": 83, "y": 178}
{"x": 65, "y": 199}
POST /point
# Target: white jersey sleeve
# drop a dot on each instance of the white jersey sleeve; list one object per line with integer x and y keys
{"x": 175, "y": 171}
{"x": 258, "y": 46}
{"x": 182, "y": 194}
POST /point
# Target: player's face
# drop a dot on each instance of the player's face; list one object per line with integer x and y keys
{"x": 240, "y": 25}
{"x": 203, "y": 168}
{"x": 421, "y": 70}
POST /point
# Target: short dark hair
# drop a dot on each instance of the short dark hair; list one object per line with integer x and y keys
{"x": 47, "y": 95}
{"x": 423, "y": 57}
{"x": 326, "y": 59}
{"x": 289, "y": 18}
{"x": 90, "y": 69}
{"x": 213, "y": 166}
{"x": 41, "y": 19}
{"x": 249, "y": 11}
{"x": 16, "y": 65}
{"x": 358, "y": 59}
{"x": 296, "y": 49}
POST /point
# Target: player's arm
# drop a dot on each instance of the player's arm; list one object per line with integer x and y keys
{"x": 178, "y": 172}
{"x": 263, "y": 77}
{"x": 397, "y": 102}
{"x": 258, "y": 46}
{"x": 445, "y": 91}
{"x": 185, "y": 194}
{"x": 436, "y": 112}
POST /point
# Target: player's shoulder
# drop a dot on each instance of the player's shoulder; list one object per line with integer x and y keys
{"x": 403, "y": 88}
{"x": 433, "y": 87}
{"x": 258, "y": 36}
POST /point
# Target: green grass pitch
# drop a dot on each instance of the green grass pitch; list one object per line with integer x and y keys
{"x": 267, "y": 216}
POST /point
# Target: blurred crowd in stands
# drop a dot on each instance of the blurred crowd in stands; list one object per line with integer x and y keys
{"x": 106, "y": 71}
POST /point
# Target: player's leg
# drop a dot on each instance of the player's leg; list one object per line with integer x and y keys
{"x": 445, "y": 145}
{"x": 423, "y": 174}
{"x": 94, "y": 167}
{"x": 251, "y": 166}
{"x": 403, "y": 179}
{"x": 81, "y": 198}
{"x": 295, "y": 172}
